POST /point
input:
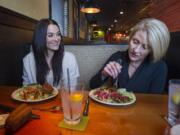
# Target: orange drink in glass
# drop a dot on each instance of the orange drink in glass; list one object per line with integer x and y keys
{"x": 71, "y": 97}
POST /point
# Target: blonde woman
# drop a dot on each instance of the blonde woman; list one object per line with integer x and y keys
{"x": 142, "y": 68}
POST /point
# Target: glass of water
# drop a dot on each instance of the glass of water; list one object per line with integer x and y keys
{"x": 174, "y": 101}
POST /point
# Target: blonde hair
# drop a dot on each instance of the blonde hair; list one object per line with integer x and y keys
{"x": 157, "y": 35}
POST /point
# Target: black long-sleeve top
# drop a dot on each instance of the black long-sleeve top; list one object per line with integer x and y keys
{"x": 148, "y": 78}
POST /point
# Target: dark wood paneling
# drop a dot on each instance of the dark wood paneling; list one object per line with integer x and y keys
{"x": 13, "y": 19}
{"x": 16, "y": 31}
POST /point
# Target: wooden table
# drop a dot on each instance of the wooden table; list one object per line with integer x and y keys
{"x": 142, "y": 118}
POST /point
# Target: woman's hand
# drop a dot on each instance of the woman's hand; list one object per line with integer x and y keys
{"x": 112, "y": 69}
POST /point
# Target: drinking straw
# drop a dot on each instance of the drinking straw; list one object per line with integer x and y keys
{"x": 68, "y": 76}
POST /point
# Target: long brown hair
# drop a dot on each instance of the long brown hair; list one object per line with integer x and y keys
{"x": 39, "y": 49}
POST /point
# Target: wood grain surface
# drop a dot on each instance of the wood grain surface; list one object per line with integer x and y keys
{"x": 142, "y": 118}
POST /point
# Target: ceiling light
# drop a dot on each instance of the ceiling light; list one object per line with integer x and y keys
{"x": 89, "y": 7}
{"x": 115, "y": 21}
{"x": 121, "y": 12}
{"x": 112, "y": 25}
{"x": 93, "y": 23}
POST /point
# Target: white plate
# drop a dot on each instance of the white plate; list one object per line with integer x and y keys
{"x": 14, "y": 96}
{"x": 130, "y": 94}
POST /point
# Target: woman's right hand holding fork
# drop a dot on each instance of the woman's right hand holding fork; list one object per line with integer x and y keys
{"x": 112, "y": 69}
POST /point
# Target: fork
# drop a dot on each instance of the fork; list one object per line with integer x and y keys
{"x": 54, "y": 108}
{"x": 117, "y": 79}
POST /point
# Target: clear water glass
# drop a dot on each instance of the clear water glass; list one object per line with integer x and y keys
{"x": 174, "y": 101}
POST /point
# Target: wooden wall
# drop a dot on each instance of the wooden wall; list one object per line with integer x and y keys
{"x": 16, "y": 30}
{"x": 167, "y": 11}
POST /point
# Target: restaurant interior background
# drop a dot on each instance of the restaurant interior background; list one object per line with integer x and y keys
{"x": 110, "y": 26}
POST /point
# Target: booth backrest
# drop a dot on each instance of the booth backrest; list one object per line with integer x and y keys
{"x": 91, "y": 58}
{"x": 16, "y": 30}
{"x": 11, "y": 65}
{"x": 173, "y": 58}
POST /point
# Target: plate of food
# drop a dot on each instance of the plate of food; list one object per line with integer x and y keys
{"x": 34, "y": 93}
{"x": 111, "y": 96}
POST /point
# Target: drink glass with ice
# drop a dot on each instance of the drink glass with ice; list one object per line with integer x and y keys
{"x": 71, "y": 98}
{"x": 174, "y": 101}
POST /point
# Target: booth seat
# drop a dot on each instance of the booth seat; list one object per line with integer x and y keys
{"x": 91, "y": 58}
{"x": 173, "y": 58}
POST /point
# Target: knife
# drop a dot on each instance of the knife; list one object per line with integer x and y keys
{"x": 10, "y": 109}
{"x": 86, "y": 107}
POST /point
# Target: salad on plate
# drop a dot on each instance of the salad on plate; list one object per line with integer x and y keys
{"x": 111, "y": 96}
